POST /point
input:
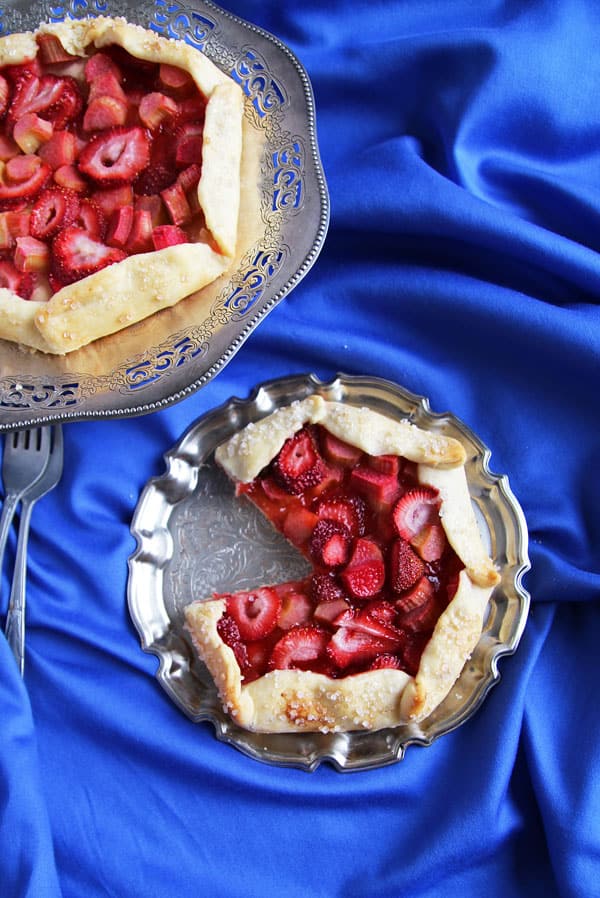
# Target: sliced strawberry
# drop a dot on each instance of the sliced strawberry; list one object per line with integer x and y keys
{"x": 422, "y": 619}
{"x": 100, "y": 63}
{"x": 76, "y": 254}
{"x": 255, "y": 612}
{"x": 229, "y": 632}
{"x": 168, "y": 235}
{"x": 60, "y": 149}
{"x": 91, "y": 219}
{"x": 382, "y": 662}
{"x": 4, "y": 95}
{"x": 24, "y": 71}
{"x": 299, "y": 648}
{"x": 325, "y": 588}
{"x": 338, "y": 452}
{"x": 13, "y": 225}
{"x": 10, "y": 277}
{"x": 347, "y": 510}
{"x": 258, "y": 654}
{"x": 34, "y": 94}
{"x": 364, "y": 575}
{"x": 415, "y": 509}
{"x": 405, "y": 565}
{"x": 67, "y": 107}
{"x": 349, "y": 647}
{"x": 154, "y": 179}
{"x": 379, "y": 610}
{"x": 379, "y": 489}
{"x": 191, "y": 109}
{"x": 54, "y": 209}
{"x": 430, "y": 542}
{"x": 421, "y": 592}
{"x": 116, "y": 157}
{"x": 22, "y": 179}
{"x": 113, "y": 198}
{"x": 361, "y": 620}
{"x": 330, "y": 544}
{"x": 299, "y": 524}
{"x": 296, "y": 609}
{"x": 299, "y": 464}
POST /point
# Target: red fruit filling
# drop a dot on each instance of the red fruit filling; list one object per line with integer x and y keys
{"x": 109, "y": 144}
{"x": 383, "y": 570}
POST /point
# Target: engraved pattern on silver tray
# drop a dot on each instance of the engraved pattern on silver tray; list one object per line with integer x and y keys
{"x": 194, "y": 538}
{"x": 279, "y": 103}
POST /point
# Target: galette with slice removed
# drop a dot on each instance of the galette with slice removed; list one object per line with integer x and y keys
{"x": 395, "y": 603}
{"x": 120, "y": 179}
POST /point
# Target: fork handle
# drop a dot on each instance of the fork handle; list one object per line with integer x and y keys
{"x": 9, "y": 506}
{"x": 15, "y": 618}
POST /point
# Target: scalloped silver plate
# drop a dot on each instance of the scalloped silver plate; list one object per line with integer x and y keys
{"x": 194, "y": 537}
{"x": 162, "y": 360}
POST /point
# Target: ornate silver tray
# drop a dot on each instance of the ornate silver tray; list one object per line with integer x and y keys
{"x": 194, "y": 537}
{"x": 285, "y": 212}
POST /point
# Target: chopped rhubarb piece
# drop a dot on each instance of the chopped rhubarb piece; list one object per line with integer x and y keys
{"x": 189, "y": 143}
{"x": 22, "y": 179}
{"x": 10, "y": 277}
{"x": 189, "y": 178}
{"x": 405, "y": 565}
{"x": 338, "y": 452}
{"x": 299, "y": 524}
{"x": 13, "y": 225}
{"x": 113, "y": 198}
{"x": 299, "y": 648}
{"x": 77, "y": 255}
{"x": 8, "y": 148}
{"x": 326, "y": 613}
{"x": 106, "y": 84}
{"x": 105, "y": 112}
{"x": 60, "y": 149}
{"x": 119, "y": 226}
{"x": 296, "y": 609}
{"x": 191, "y": 110}
{"x": 422, "y": 591}
{"x": 177, "y": 204}
{"x": 430, "y": 542}
{"x": 299, "y": 464}
{"x": 116, "y": 157}
{"x": 53, "y": 210}
{"x": 364, "y": 575}
{"x": 40, "y": 289}
{"x": 385, "y": 464}
{"x": 140, "y": 236}
{"x": 421, "y": 619}
{"x": 100, "y": 63}
{"x": 330, "y": 544}
{"x": 347, "y": 510}
{"x": 175, "y": 79}
{"x": 155, "y": 109}
{"x": 51, "y": 51}
{"x": 168, "y": 235}
{"x": 154, "y": 205}
{"x": 379, "y": 489}
{"x": 31, "y": 254}
{"x": 69, "y": 177}
{"x": 415, "y": 509}
{"x": 354, "y": 647}
{"x": 255, "y": 612}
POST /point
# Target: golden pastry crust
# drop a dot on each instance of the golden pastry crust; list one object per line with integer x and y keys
{"x": 129, "y": 291}
{"x": 303, "y": 701}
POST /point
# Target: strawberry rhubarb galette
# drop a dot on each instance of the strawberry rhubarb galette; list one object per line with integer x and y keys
{"x": 380, "y": 630}
{"x": 119, "y": 179}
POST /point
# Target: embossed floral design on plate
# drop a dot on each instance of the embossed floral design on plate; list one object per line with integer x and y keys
{"x": 194, "y": 537}
{"x": 164, "y": 359}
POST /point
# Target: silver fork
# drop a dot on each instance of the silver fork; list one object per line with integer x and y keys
{"x": 25, "y": 458}
{"x": 15, "y": 619}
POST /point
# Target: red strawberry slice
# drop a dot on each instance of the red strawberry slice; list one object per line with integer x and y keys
{"x": 421, "y": 619}
{"x": 10, "y": 277}
{"x": 405, "y": 566}
{"x": 379, "y": 489}
{"x": 382, "y": 662}
{"x": 54, "y": 209}
{"x": 299, "y": 648}
{"x": 67, "y": 107}
{"x": 100, "y": 63}
{"x": 77, "y": 254}
{"x": 364, "y": 575}
{"x": 34, "y": 94}
{"x": 299, "y": 524}
{"x": 154, "y": 179}
{"x": 325, "y": 588}
{"x": 296, "y": 608}
{"x": 330, "y": 544}
{"x": 421, "y": 592}
{"x": 254, "y": 612}
{"x": 354, "y": 647}
{"x": 366, "y": 623}
{"x": 229, "y": 632}
{"x": 4, "y": 95}
{"x": 430, "y": 542}
{"x": 299, "y": 464}
{"x": 91, "y": 219}
{"x": 414, "y": 510}
{"x": 347, "y": 510}
{"x": 379, "y": 610}
{"x": 117, "y": 156}
{"x": 22, "y": 179}
{"x": 328, "y": 612}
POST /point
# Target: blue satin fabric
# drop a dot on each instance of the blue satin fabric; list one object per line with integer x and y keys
{"x": 461, "y": 144}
